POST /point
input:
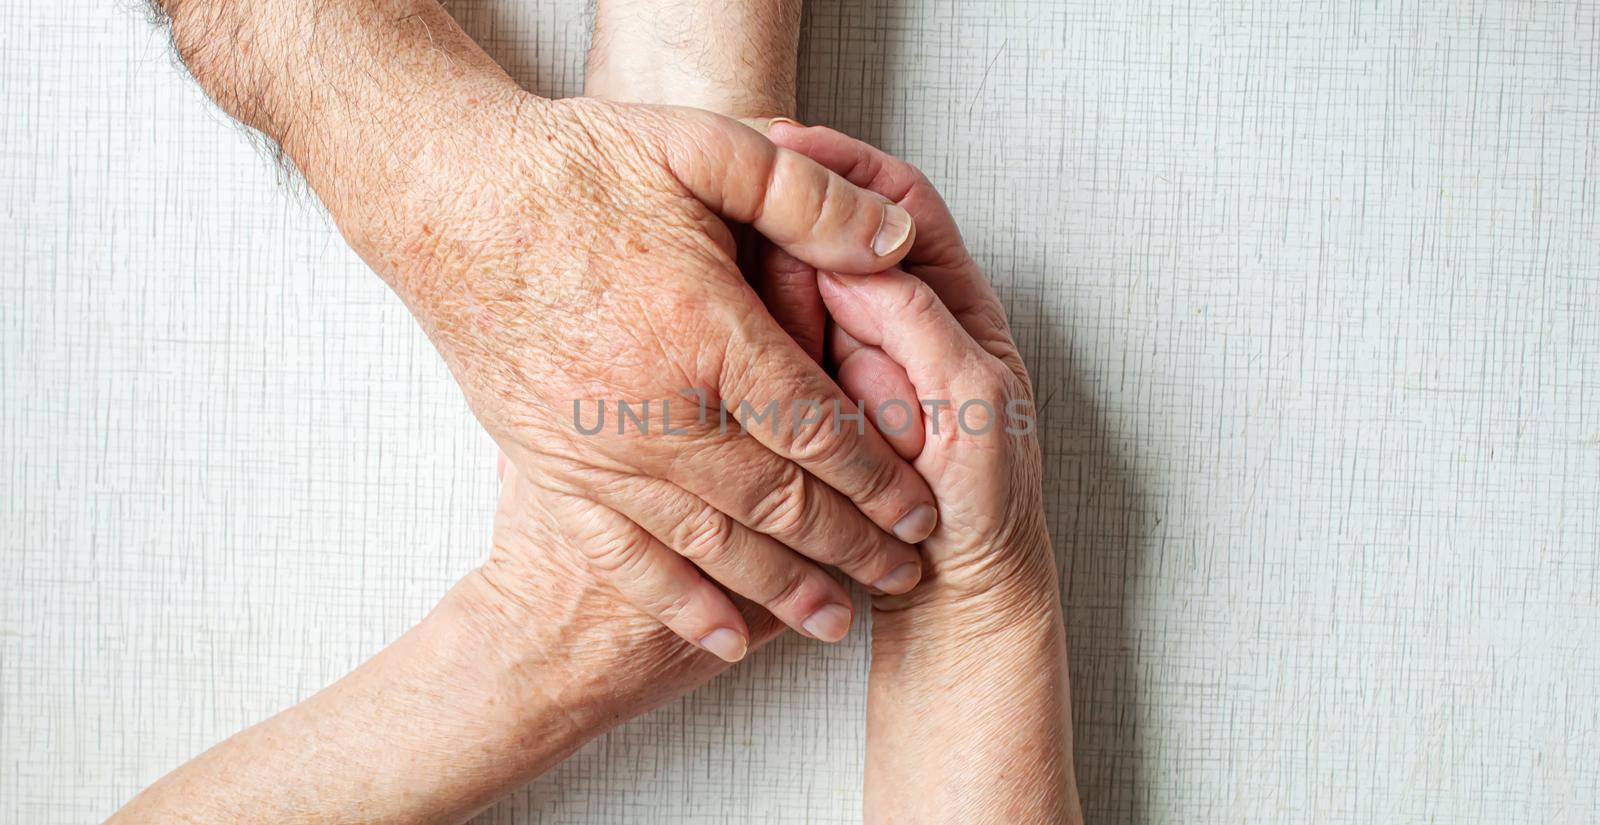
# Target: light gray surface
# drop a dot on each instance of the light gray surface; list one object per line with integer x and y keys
{"x": 1311, "y": 292}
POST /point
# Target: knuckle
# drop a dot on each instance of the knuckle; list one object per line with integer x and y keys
{"x": 918, "y": 300}
{"x": 784, "y": 510}
{"x": 879, "y": 482}
{"x": 677, "y": 606}
{"x": 828, "y": 200}
{"x": 865, "y": 164}
{"x": 996, "y": 381}
{"x": 858, "y": 554}
{"x": 613, "y": 555}
{"x": 764, "y": 185}
{"x": 791, "y": 177}
{"x": 981, "y": 376}
{"x": 793, "y": 580}
{"x": 816, "y": 441}
{"x": 707, "y": 540}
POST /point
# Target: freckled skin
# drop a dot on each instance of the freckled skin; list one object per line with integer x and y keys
{"x": 580, "y": 250}
{"x": 510, "y": 255}
{"x": 628, "y": 292}
{"x": 968, "y": 707}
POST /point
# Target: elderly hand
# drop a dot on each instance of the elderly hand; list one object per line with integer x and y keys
{"x": 968, "y": 712}
{"x": 553, "y": 614}
{"x": 576, "y": 251}
{"x": 599, "y": 276}
{"x": 928, "y": 348}
{"x": 523, "y": 661}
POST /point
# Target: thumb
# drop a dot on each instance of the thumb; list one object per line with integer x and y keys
{"x": 803, "y": 208}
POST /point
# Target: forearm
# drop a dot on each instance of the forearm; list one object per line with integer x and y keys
{"x": 434, "y": 728}
{"x": 968, "y": 715}
{"x": 347, "y": 88}
{"x": 734, "y": 57}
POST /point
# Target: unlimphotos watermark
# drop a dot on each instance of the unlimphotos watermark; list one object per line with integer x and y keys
{"x": 975, "y": 416}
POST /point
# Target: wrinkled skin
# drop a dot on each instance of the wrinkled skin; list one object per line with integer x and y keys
{"x": 968, "y": 667}
{"x": 967, "y": 713}
{"x": 524, "y": 660}
{"x": 968, "y": 709}
{"x": 989, "y": 486}
{"x": 615, "y": 661}
{"x": 577, "y": 274}
{"x": 580, "y": 250}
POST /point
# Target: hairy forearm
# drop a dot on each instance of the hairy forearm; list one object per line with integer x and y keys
{"x": 347, "y": 88}
{"x": 432, "y": 729}
{"x": 968, "y": 715}
{"x": 735, "y": 57}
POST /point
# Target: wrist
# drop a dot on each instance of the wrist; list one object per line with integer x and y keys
{"x": 958, "y": 631}
{"x": 561, "y": 644}
{"x": 978, "y": 583}
{"x": 1005, "y": 606}
{"x": 530, "y": 681}
{"x": 458, "y": 712}
{"x": 733, "y": 57}
{"x": 968, "y": 709}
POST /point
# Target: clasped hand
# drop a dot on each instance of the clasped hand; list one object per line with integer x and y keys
{"x": 592, "y": 251}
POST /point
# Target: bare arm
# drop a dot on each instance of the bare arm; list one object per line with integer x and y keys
{"x": 524, "y": 660}
{"x": 969, "y": 718}
{"x": 567, "y": 252}
{"x": 432, "y": 729}
{"x": 733, "y": 57}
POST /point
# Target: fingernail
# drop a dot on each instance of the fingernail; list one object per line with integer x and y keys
{"x": 900, "y": 579}
{"x": 828, "y": 623}
{"x": 785, "y": 121}
{"x": 917, "y": 524}
{"x": 894, "y": 230}
{"x": 728, "y": 645}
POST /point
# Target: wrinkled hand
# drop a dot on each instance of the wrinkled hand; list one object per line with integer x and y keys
{"x": 568, "y": 256}
{"x": 609, "y": 660}
{"x": 928, "y": 346}
{"x": 570, "y": 251}
{"x": 527, "y": 658}
{"x": 968, "y": 710}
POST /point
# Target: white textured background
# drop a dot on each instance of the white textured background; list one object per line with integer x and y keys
{"x": 1312, "y": 291}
